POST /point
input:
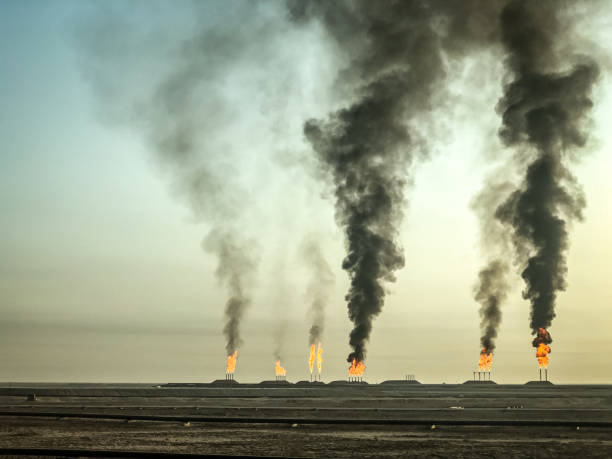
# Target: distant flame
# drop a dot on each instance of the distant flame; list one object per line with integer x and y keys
{"x": 486, "y": 360}
{"x": 319, "y": 358}
{"x": 280, "y": 371}
{"x": 541, "y": 343}
{"x": 357, "y": 368}
{"x": 311, "y": 359}
{"x": 231, "y": 363}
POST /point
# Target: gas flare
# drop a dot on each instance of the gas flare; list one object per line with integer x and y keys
{"x": 311, "y": 359}
{"x": 357, "y": 368}
{"x": 231, "y": 363}
{"x": 542, "y": 355}
{"x": 280, "y": 371}
{"x": 319, "y": 358}
{"x": 541, "y": 343}
{"x": 486, "y": 360}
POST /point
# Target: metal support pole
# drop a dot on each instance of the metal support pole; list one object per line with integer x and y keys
{"x": 540, "y": 374}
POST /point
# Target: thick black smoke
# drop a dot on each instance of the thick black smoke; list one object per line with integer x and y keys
{"x": 543, "y": 109}
{"x": 491, "y": 292}
{"x": 319, "y": 287}
{"x": 491, "y": 289}
{"x": 396, "y": 67}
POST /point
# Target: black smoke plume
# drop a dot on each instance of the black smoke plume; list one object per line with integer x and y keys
{"x": 543, "y": 110}
{"x": 491, "y": 292}
{"x": 319, "y": 287}
{"x": 491, "y": 289}
{"x": 542, "y": 337}
{"x": 396, "y": 68}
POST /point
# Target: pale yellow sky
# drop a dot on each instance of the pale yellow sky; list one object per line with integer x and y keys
{"x": 102, "y": 277}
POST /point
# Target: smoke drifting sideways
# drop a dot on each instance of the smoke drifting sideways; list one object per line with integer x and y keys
{"x": 543, "y": 110}
{"x": 319, "y": 288}
{"x": 396, "y": 69}
{"x": 182, "y": 89}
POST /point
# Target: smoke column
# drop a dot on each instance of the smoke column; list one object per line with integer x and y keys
{"x": 490, "y": 293}
{"x": 491, "y": 289}
{"x": 235, "y": 265}
{"x": 396, "y": 67}
{"x": 542, "y": 111}
{"x": 168, "y": 84}
{"x": 319, "y": 287}
{"x": 208, "y": 184}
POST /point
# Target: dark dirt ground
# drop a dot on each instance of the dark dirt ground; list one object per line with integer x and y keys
{"x": 307, "y": 440}
{"x": 573, "y": 405}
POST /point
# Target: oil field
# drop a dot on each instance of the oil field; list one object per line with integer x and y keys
{"x": 293, "y": 228}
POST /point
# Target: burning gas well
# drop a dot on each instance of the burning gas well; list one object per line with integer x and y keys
{"x": 356, "y": 371}
{"x": 280, "y": 372}
{"x": 484, "y": 365}
{"x": 541, "y": 343}
{"x": 316, "y": 355}
{"x": 231, "y": 366}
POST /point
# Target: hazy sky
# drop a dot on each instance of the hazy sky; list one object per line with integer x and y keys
{"x": 102, "y": 272}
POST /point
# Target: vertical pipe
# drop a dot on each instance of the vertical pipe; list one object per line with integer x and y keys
{"x": 540, "y": 374}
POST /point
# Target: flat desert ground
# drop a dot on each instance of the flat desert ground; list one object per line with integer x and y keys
{"x": 306, "y": 420}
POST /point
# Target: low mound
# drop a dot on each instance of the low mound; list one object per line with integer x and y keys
{"x": 471, "y": 381}
{"x": 344, "y": 382}
{"x": 275, "y": 383}
{"x": 400, "y": 382}
{"x": 224, "y": 382}
{"x": 539, "y": 383}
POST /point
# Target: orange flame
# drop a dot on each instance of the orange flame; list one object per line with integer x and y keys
{"x": 280, "y": 371}
{"x": 542, "y": 355}
{"x": 357, "y": 368}
{"x": 319, "y": 358}
{"x": 541, "y": 343}
{"x": 231, "y": 363}
{"x": 486, "y": 360}
{"x": 311, "y": 359}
